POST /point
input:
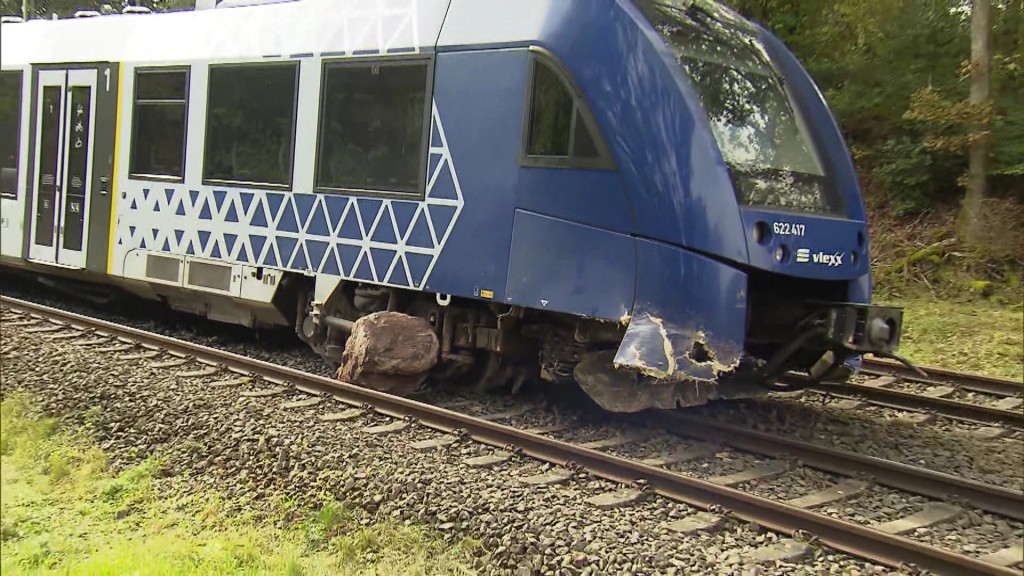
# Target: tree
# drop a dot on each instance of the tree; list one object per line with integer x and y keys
{"x": 971, "y": 220}
{"x": 66, "y": 8}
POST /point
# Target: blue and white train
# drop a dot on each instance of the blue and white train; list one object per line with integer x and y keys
{"x": 647, "y": 197}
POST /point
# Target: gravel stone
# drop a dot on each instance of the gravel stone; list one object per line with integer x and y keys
{"x": 211, "y": 437}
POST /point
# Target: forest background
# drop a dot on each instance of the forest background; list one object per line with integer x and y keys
{"x": 896, "y": 74}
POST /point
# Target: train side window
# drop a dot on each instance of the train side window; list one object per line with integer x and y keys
{"x": 559, "y": 131}
{"x": 551, "y": 120}
{"x": 159, "y": 123}
{"x": 250, "y": 124}
{"x": 10, "y": 131}
{"x": 374, "y": 126}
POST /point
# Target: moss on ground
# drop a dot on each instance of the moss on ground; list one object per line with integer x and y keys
{"x": 64, "y": 512}
{"x": 976, "y": 337}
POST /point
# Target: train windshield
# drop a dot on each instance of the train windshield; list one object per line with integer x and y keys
{"x": 760, "y": 133}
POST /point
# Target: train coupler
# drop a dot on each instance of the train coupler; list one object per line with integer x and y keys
{"x": 864, "y": 328}
{"x": 869, "y": 329}
{"x": 842, "y": 331}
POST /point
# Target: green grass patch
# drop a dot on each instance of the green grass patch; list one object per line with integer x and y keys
{"x": 64, "y": 512}
{"x": 976, "y": 337}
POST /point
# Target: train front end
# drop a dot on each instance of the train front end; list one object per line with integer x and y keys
{"x": 785, "y": 286}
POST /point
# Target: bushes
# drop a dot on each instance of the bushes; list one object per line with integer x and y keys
{"x": 909, "y": 177}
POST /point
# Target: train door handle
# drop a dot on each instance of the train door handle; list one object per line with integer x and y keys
{"x": 104, "y": 185}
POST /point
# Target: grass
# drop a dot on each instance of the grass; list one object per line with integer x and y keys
{"x": 63, "y": 511}
{"x": 974, "y": 336}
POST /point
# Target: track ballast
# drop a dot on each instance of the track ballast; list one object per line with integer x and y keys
{"x": 876, "y": 545}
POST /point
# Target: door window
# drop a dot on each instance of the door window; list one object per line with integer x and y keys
{"x": 51, "y": 110}
{"x": 77, "y": 171}
{"x": 10, "y": 131}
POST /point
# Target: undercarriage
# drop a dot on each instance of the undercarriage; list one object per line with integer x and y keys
{"x": 398, "y": 341}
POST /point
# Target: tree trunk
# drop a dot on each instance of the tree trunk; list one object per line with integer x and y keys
{"x": 971, "y": 222}
{"x": 1018, "y": 14}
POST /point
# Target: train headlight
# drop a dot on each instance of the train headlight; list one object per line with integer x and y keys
{"x": 781, "y": 253}
{"x": 762, "y": 233}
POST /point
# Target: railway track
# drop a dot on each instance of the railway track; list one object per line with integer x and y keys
{"x": 883, "y": 544}
{"x": 942, "y": 377}
{"x": 913, "y": 479}
{"x": 967, "y": 397}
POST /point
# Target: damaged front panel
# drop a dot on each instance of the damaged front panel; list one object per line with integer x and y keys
{"x": 686, "y": 332}
{"x": 668, "y": 352}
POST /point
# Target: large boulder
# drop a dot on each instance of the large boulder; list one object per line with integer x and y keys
{"x": 389, "y": 351}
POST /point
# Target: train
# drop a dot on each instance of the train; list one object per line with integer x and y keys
{"x": 647, "y": 199}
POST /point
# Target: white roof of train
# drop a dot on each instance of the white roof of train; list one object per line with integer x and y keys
{"x": 283, "y": 28}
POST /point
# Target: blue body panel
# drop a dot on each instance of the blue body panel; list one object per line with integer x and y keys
{"x": 676, "y": 181}
{"x": 671, "y": 184}
{"x": 674, "y": 175}
{"x": 676, "y": 289}
{"x": 835, "y": 248}
{"x": 593, "y": 197}
{"x": 566, "y": 267}
{"x": 484, "y": 128}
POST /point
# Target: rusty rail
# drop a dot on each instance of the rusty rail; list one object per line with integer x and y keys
{"x": 904, "y": 400}
{"x": 940, "y": 376}
{"x": 848, "y": 537}
{"x": 996, "y": 499}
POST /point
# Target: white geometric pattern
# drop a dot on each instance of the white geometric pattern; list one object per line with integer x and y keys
{"x": 385, "y": 241}
{"x": 386, "y": 24}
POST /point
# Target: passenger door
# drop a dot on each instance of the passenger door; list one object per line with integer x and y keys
{"x": 64, "y": 143}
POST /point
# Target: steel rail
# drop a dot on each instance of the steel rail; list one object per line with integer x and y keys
{"x": 917, "y": 402}
{"x": 888, "y": 549}
{"x": 940, "y": 376}
{"x": 903, "y": 400}
{"x": 938, "y": 485}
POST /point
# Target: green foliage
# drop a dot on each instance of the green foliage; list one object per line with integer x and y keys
{"x": 906, "y": 168}
{"x": 950, "y": 126}
{"x": 894, "y": 72}
{"x": 1008, "y": 124}
{"x": 63, "y": 511}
